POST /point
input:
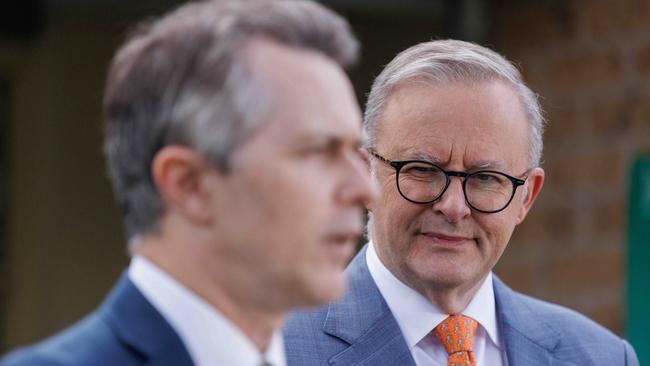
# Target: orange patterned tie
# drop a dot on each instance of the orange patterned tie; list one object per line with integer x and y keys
{"x": 456, "y": 333}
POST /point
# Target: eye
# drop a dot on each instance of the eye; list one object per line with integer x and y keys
{"x": 487, "y": 180}
{"x": 418, "y": 170}
{"x": 320, "y": 150}
{"x": 485, "y": 177}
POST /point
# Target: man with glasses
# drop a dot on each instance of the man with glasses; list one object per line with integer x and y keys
{"x": 454, "y": 137}
{"x": 232, "y": 142}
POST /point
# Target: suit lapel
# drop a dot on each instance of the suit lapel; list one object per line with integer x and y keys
{"x": 364, "y": 321}
{"x": 529, "y": 341}
{"x": 141, "y": 327}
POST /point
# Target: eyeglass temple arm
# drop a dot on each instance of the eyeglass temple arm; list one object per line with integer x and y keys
{"x": 374, "y": 153}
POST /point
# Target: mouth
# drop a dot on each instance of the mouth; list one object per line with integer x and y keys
{"x": 447, "y": 240}
{"x": 341, "y": 246}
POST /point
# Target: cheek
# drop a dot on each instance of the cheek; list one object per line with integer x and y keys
{"x": 496, "y": 232}
{"x": 288, "y": 194}
{"x": 389, "y": 199}
{"x": 296, "y": 213}
{"x": 395, "y": 217}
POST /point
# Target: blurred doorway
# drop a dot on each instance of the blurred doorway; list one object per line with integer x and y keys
{"x": 4, "y": 196}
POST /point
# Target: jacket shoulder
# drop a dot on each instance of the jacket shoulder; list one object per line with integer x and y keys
{"x": 578, "y": 334}
{"x": 564, "y": 320}
{"x": 88, "y": 342}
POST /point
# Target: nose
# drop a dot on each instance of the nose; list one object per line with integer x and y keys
{"x": 358, "y": 187}
{"x": 452, "y": 204}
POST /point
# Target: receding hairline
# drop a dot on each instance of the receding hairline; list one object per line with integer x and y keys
{"x": 426, "y": 81}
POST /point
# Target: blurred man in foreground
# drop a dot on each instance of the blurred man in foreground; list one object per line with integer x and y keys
{"x": 232, "y": 143}
{"x": 456, "y": 141}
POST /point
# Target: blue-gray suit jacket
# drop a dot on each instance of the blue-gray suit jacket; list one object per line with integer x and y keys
{"x": 125, "y": 331}
{"x": 361, "y": 330}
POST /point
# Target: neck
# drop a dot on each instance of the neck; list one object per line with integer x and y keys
{"x": 256, "y": 321}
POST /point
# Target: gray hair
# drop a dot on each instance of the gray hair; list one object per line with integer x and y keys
{"x": 182, "y": 80}
{"x": 445, "y": 61}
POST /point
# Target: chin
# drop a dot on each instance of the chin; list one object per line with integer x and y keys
{"x": 438, "y": 277}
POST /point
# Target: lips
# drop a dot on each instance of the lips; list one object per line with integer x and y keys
{"x": 447, "y": 239}
{"x": 348, "y": 228}
{"x": 341, "y": 245}
{"x": 345, "y": 238}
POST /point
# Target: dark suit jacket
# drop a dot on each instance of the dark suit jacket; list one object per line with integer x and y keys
{"x": 125, "y": 331}
{"x": 361, "y": 330}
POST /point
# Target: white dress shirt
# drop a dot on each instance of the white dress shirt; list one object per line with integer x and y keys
{"x": 417, "y": 317}
{"x": 209, "y": 337}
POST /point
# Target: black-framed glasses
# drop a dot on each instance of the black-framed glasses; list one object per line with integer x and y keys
{"x": 423, "y": 182}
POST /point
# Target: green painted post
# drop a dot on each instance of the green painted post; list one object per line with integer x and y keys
{"x": 638, "y": 269}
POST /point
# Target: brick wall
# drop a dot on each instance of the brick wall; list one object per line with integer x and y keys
{"x": 590, "y": 62}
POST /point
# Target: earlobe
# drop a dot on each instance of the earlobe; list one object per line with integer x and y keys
{"x": 534, "y": 185}
{"x": 179, "y": 175}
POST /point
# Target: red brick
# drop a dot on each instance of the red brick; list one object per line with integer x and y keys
{"x": 560, "y": 223}
{"x": 643, "y": 60}
{"x": 532, "y": 228}
{"x": 584, "y": 69}
{"x": 593, "y": 269}
{"x": 609, "y": 218}
{"x": 522, "y": 25}
{"x": 625, "y": 119}
{"x": 559, "y": 172}
{"x": 612, "y": 118}
{"x": 641, "y": 115}
{"x": 562, "y": 123}
{"x": 610, "y": 316}
{"x": 642, "y": 12}
{"x": 605, "y": 167}
{"x": 605, "y": 16}
{"x": 638, "y": 11}
{"x": 520, "y": 278}
{"x": 563, "y": 172}
{"x": 586, "y": 170}
{"x": 641, "y": 140}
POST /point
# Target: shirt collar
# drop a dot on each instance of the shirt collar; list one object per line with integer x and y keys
{"x": 416, "y": 315}
{"x": 210, "y": 337}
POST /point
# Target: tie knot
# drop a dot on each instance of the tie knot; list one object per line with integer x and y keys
{"x": 456, "y": 333}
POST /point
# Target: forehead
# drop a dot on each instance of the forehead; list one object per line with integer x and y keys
{"x": 309, "y": 94}
{"x": 470, "y": 123}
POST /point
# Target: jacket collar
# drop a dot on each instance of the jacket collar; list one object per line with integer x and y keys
{"x": 140, "y": 326}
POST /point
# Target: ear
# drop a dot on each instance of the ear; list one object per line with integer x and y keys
{"x": 181, "y": 177}
{"x": 534, "y": 185}
{"x": 365, "y": 156}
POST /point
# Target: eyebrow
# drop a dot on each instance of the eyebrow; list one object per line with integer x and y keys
{"x": 475, "y": 165}
{"x": 425, "y": 157}
{"x": 329, "y": 139}
{"x": 487, "y": 164}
